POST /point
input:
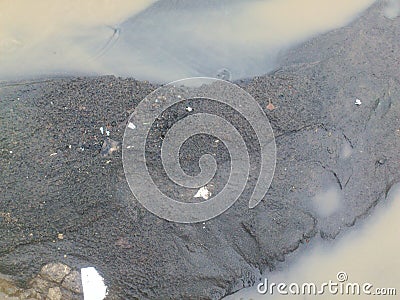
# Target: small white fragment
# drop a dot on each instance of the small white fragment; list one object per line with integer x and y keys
{"x": 69, "y": 146}
{"x": 189, "y": 109}
{"x": 10, "y": 152}
{"x": 93, "y": 284}
{"x": 358, "y": 102}
{"x": 179, "y": 96}
{"x": 107, "y": 132}
{"x": 82, "y": 149}
{"x": 131, "y": 125}
{"x": 102, "y": 130}
{"x": 55, "y": 153}
{"x": 203, "y": 192}
{"x": 129, "y": 147}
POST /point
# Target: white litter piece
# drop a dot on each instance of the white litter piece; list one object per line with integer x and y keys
{"x": 93, "y": 284}
{"x": 107, "y": 132}
{"x": 203, "y": 192}
{"x": 55, "y": 153}
{"x": 102, "y": 130}
{"x": 189, "y": 109}
{"x": 358, "y": 102}
{"x": 131, "y": 125}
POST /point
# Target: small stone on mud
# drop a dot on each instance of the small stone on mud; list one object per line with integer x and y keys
{"x": 109, "y": 146}
{"x": 203, "y": 192}
{"x": 270, "y": 106}
{"x": 55, "y": 272}
{"x": 73, "y": 282}
{"x": 54, "y": 294}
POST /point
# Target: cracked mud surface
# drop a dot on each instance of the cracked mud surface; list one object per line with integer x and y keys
{"x": 55, "y": 180}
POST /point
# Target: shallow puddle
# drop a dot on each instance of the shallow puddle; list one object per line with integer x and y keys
{"x": 367, "y": 253}
{"x": 164, "y": 40}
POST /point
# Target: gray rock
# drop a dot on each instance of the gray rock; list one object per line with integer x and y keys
{"x": 73, "y": 282}
{"x": 55, "y": 272}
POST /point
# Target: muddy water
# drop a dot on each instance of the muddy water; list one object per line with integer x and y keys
{"x": 162, "y": 40}
{"x": 368, "y": 253}
{"x": 47, "y": 37}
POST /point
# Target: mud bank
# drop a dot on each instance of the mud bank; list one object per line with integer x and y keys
{"x": 56, "y": 181}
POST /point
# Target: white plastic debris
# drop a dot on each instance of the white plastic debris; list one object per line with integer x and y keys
{"x": 102, "y": 130}
{"x": 203, "y": 192}
{"x": 93, "y": 284}
{"x": 131, "y": 125}
{"x": 107, "y": 132}
{"x": 358, "y": 102}
{"x": 189, "y": 109}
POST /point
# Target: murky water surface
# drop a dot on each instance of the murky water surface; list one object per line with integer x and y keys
{"x": 164, "y": 40}
{"x": 367, "y": 253}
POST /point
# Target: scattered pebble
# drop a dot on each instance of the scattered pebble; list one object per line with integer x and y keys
{"x": 203, "y": 192}
{"x": 270, "y": 106}
{"x": 109, "y": 146}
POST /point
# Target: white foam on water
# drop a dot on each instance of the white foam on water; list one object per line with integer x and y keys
{"x": 164, "y": 40}
{"x": 93, "y": 284}
{"x": 368, "y": 252}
